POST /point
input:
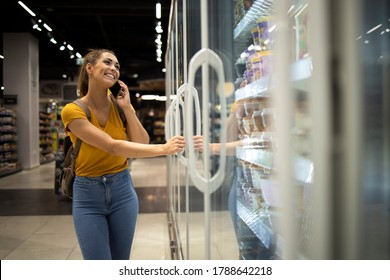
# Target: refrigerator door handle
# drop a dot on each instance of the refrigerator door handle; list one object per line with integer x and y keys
{"x": 192, "y": 92}
{"x": 169, "y": 128}
{"x": 206, "y": 57}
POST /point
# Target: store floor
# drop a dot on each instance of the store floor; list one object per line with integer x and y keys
{"x": 36, "y": 224}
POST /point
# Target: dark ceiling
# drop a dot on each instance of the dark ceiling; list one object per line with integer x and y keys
{"x": 126, "y": 27}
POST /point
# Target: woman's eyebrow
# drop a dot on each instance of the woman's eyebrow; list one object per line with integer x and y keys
{"x": 116, "y": 63}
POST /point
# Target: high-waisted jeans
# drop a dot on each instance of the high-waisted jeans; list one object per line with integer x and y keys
{"x": 105, "y": 211}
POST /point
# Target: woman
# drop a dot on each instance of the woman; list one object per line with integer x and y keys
{"x": 105, "y": 204}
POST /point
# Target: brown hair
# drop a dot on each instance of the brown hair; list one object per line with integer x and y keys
{"x": 90, "y": 57}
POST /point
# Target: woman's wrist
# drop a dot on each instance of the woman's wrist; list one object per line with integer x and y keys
{"x": 129, "y": 108}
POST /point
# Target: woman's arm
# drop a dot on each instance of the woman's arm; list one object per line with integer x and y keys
{"x": 135, "y": 130}
{"x": 91, "y": 135}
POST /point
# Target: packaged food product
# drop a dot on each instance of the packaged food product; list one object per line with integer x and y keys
{"x": 266, "y": 29}
{"x": 266, "y": 63}
{"x": 255, "y": 37}
{"x": 256, "y": 67}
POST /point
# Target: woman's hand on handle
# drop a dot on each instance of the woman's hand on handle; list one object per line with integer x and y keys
{"x": 198, "y": 143}
{"x": 174, "y": 145}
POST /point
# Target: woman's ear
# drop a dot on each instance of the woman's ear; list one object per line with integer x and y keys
{"x": 88, "y": 68}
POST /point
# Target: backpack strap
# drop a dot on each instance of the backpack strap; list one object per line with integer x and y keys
{"x": 119, "y": 109}
{"x": 85, "y": 108}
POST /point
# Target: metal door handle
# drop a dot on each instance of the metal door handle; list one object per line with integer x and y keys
{"x": 206, "y": 57}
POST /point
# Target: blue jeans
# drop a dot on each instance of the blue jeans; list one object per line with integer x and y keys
{"x": 105, "y": 211}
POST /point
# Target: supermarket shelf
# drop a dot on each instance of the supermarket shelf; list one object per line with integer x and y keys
{"x": 258, "y": 157}
{"x": 260, "y": 225}
{"x": 243, "y": 30}
{"x": 301, "y": 70}
{"x": 303, "y": 167}
{"x": 10, "y": 172}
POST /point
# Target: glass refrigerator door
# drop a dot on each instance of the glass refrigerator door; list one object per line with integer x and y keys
{"x": 230, "y": 199}
{"x": 202, "y": 95}
{"x": 275, "y": 89}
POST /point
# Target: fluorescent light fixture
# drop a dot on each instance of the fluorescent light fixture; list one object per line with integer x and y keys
{"x": 291, "y": 8}
{"x": 374, "y": 28}
{"x": 53, "y": 41}
{"x": 62, "y": 48}
{"x": 2, "y": 57}
{"x": 148, "y": 97}
{"x": 47, "y": 27}
{"x": 69, "y": 47}
{"x": 79, "y": 55}
{"x": 26, "y": 8}
{"x": 159, "y": 29}
{"x": 158, "y": 10}
{"x": 164, "y": 70}
{"x": 162, "y": 98}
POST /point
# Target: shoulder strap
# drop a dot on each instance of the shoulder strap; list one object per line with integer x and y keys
{"x": 119, "y": 109}
{"x": 85, "y": 108}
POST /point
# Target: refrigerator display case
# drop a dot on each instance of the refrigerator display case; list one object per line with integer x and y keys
{"x": 260, "y": 82}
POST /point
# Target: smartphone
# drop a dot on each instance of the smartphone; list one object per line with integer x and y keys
{"x": 116, "y": 89}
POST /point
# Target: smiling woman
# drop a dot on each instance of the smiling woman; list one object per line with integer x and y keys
{"x": 101, "y": 168}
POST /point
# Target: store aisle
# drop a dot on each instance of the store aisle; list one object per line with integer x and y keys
{"x": 36, "y": 224}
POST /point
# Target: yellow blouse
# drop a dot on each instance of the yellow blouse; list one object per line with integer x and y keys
{"x": 92, "y": 161}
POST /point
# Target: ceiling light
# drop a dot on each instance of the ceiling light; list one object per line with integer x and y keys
{"x": 159, "y": 29}
{"x": 162, "y": 98}
{"x": 148, "y": 97}
{"x": 47, "y": 27}
{"x": 374, "y": 28}
{"x": 26, "y": 8}
{"x": 291, "y": 8}
{"x": 69, "y": 47}
{"x": 158, "y": 10}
